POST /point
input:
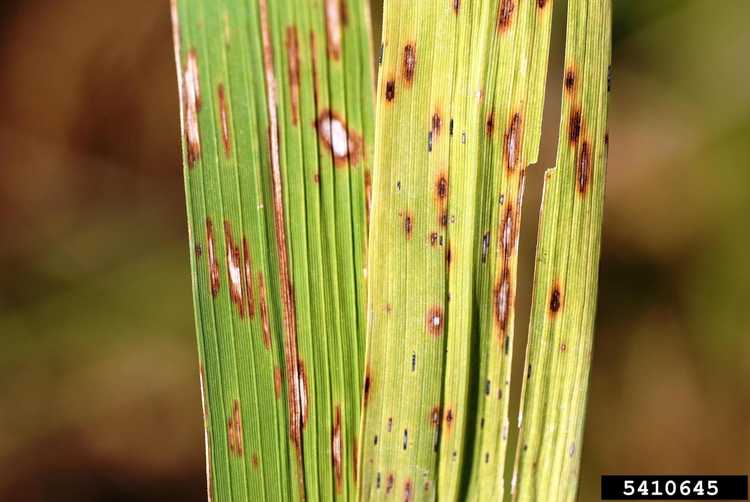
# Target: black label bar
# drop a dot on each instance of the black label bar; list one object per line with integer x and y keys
{"x": 639, "y": 487}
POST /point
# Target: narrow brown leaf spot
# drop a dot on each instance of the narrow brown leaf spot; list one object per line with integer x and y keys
{"x": 408, "y": 224}
{"x": 574, "y": 127}
{"x": 389, "y": 483}
{"x": 336, "y": 449}
{"x": 437, "y": 123}
{"x": 344, "y": 144}
{"x": 223, "y": 115}
{"x": 490, "y": 123}
{"x": 508, "y": 232}
{"x": 435, "y": 415}
{"x": 277, "y": 382}
{"x": 248, "y": 270}
{"x": 410, "y": 62}
{"x": 448, "y": 255}
{"x": 449, "y": 420}
{"x": 570, "y": 80}
{"x": 541, "y": 3}
{"x": 443, "y": 219}
{"x": 264, "y": 311}
{"x": 434, "y": 239}
{"x": 289, "y": 323}
{"x": 606, "y": 139}
{"x": 213, "y": 263}
{"x": 502, "y": 301}
{"x": 192, "y": 105}
{"x": 292, "y": 53}
{"x": 441, "y": 187}
{"x": 505, "y": 15}
{"x": 583, "y": 167}
{"x": 198, "y": 250}
{"x": 234, "y": 273}
{"x": 367, "y": 386}
{"x": 333, "y": 28}
{"x": 302, "y": 382}
{"x": 408, "y": 491}
{"x": 513, "y": 142}
{"x": 456, "y": 6}
{"x": 255, "y": 462}
{"x": 234, "y": 430}
{"x": 435, "y": 321}
{"x": 344, "y": 13}
{"x": 390, "y": 90}
{"x": 555, "y": 299}
{"x": 485, "y": 246}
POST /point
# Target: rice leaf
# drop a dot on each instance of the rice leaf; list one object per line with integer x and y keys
{"x": 276, "y": 108}
{"x": 567, "y": 263}
{"x": 459, "y": 101}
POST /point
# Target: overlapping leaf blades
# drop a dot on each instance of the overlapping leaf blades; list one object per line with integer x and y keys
{"x": 276, "y": 109}
{"x": 440, "y": 330}
{"x": 277, "y": 153}
{"x": 460, "y": 95}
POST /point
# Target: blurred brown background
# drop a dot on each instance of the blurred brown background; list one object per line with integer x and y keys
{"x": 99, "y": 396}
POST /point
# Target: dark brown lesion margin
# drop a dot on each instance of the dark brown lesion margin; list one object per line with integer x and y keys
{"x": 285, "y": 282}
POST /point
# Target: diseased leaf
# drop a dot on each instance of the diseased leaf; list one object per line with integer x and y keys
{"x": 277, "y": 115}
{"x": 276, "y": 106}
{"x": 567, "y": 264}
{"x": 459, "y": 102}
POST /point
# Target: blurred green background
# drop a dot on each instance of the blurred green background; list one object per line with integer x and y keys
{"x": 99, "y": 395}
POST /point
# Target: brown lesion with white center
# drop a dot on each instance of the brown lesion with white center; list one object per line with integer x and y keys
{"x": 435, "y": 321}
{"x": 409, "y": 63}
{"x": 503, "y": 297}
{"x": 234, "y": 430}
{"x": 224, "y": 119}
{"x": 333, "y": 28}
{"x": 192, "y": 105}
{"x": 234, "y": 270}
{"x": 302, "y": 379}
{"x": 345, "y": 145}
{"x": 513, "y": 142}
